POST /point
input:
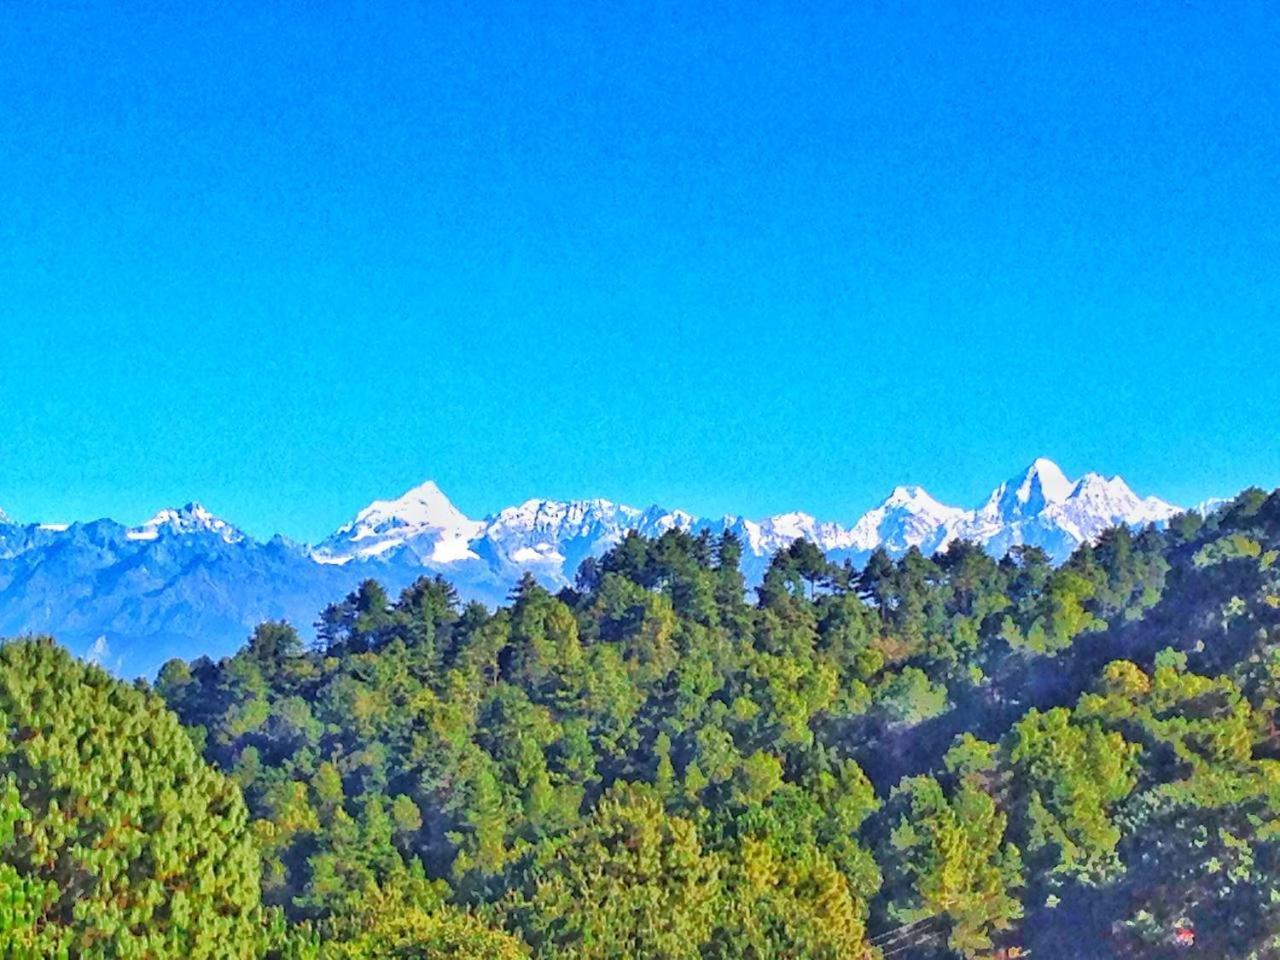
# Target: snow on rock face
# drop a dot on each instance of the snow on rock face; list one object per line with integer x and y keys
{"x": 1026, "y": 495}
{"x": 1039, "y": 506}
{"x": 423, "y": 517}
{"x": 182, "y": 521}
{"x": 763, "y": 538}
{"x": 560, "y": 520}
{"x": 908, "y": 517}
{"x": 1097, "y": 502}
{"x": 555, "y": 536}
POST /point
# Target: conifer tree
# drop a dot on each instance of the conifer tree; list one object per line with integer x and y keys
{"x": 130, "y": 842}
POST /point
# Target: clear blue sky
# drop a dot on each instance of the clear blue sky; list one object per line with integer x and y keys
{"x": 285, "y": 262}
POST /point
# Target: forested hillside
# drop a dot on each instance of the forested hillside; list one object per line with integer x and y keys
{"x": 954, "y": 756}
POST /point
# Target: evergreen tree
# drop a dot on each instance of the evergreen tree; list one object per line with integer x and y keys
{"x": 131, "y": 845}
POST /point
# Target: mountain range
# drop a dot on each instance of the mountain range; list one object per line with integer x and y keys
{"x": 187, "y": 582}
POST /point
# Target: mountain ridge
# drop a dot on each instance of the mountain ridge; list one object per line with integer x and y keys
{"x": 1039, "y": 506}
{"x": 189, "y": 582}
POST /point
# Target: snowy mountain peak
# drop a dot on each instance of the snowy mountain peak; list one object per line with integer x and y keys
{"x": 422, "y": 517}
{"x": 914, "y": 497}
{"x": 903, "y": 495}
{"x": 561, "y": 520}
{"x": 424, "y": 506}
{"x": 908, "y": 517}
{"x": 1096, "y": 483}
{"x": 661, "y": 519}
{"x": 192, "y": 518}
{"x": 1112, "y": 499}
{"x": 1027, "y": 494}
{"x": 555, "y": 536}
{"x": 1042, "y": 507}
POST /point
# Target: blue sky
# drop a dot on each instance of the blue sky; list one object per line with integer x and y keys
{"x": 285, "y": 262}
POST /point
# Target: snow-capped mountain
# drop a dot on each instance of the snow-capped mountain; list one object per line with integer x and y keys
{"x": 1041, "y": 507}
{"x": 422, "y": 520}
{"x": 182, "y": 521}
{"x": 908, "y": 518}
{"x": 551, "y": 538}
{"x": 1027, "y": 494}
{"x": 187, "y": 582}
{"x": 556, "y": 536}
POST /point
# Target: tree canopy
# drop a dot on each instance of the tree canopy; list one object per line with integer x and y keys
{"x": 948, "y": 756}
{"x": 116, "y": 838}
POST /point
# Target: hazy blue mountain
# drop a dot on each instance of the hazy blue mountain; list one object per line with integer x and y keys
{"x": 130, "y": 598}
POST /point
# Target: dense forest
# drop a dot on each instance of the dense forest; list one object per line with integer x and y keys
{"x": 947, "y": 756}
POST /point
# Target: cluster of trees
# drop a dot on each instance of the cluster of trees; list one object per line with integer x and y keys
{"x": 953, "y": 756}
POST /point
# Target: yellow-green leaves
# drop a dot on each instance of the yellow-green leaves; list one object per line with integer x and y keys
{"x": 953, "y": 853}
{"x": 143, "y": 849}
